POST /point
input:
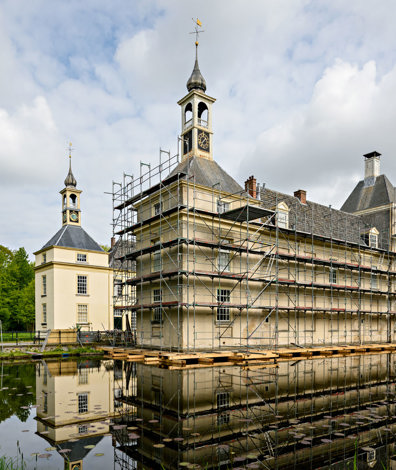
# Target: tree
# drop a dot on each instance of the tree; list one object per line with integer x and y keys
{"x": 16, "y": 289}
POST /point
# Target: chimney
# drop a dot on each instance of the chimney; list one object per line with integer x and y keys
{"x": 301, "y": 195}
{"x": 371, "y": 165}
{"x": 112, "y": 242}
{"x": 250, "y": 186}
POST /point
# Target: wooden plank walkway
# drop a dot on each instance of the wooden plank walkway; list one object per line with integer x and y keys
{"x": 248, "y": 360}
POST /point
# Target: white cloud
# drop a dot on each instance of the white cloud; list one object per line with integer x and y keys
{"x": 303, "y": 89}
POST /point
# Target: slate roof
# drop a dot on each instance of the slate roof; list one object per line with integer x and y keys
{"x": 208, "y": 173}
{"x": 369, "y": 197}
{"x": 316, "y": 218}
{"x": 73, "y": 236}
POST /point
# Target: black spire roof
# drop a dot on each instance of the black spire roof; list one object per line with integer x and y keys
{"x": 70, "y": 181}
{"x": 196, "y": 80}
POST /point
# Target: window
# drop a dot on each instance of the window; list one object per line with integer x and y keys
{"x": 157, "y": 261}
{"x": 157, "y": 298}
{"x": 83, "y": 403}
{"x": 81, "y": 258}
{"x": 45, "y": 402}
{"x": 333, "y": 276}
{"x": 223, "y": 401}
{"x": 81, "y": 284}
{"x": 82, "y": 376}
{"x": 223, "y": 312}
{"x": 82, "y": 313}
{"x": 373, "y": 240}
{"x": 44, "y": 258}
{"x": 374, "y": 278}
{"x": 158, "y": 208}
{"x": 119, "y": 289}
{"x": 82, "y": 429}
{"x": 222, "y": 206}
{"x": 223, "y": 261}
{"x": 283, "y": 219}
{"x": 282, "y": 215}
{"x": 44, "y": 314}
{"x": 44, "y": 283}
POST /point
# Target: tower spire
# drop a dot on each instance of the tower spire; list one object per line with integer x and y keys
{"x": 196, "y": 80}
{"x": 70, "y": 181}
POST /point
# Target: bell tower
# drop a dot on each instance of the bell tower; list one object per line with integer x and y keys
{"x": 71, "y": 212}
{"x": 196, "y": 110}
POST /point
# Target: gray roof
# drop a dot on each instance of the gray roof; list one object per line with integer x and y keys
{"x": 316, "y": 218}
{"x": 73, "y": 236}
{"x": 208, "y": 173}
{"x": 368, "y": 197}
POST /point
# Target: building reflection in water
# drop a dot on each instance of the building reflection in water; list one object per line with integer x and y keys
{"x": 323, "y": 413}
{"x": 77, "y": 402}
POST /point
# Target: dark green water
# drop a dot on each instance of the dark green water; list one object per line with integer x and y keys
{"x": 334, "y": 413}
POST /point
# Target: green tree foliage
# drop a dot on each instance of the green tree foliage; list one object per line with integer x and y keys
{"x": 16, "y": 290}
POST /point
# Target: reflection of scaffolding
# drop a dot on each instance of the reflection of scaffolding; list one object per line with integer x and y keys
{"x": 300, "y": 415}
{"x": 217, "y": 270}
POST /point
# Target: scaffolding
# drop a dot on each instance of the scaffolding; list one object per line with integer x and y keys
{"x": 305, "y": 414}
{"x": 203, "y": 269}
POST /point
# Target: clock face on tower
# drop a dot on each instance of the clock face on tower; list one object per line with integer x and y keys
{"x": 73, "y": 216}
{"x": 203, "y": 141}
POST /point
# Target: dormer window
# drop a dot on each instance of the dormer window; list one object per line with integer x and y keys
{"x": 370, "y": 237}
{"x": 282, "y": 215}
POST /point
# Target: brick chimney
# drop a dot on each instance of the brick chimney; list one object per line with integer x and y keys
{"x": 301, "y": 194}
{"x": 112, "y": 242}
{"x": 251, "y": 187}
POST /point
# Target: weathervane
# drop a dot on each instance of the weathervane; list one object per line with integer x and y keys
{"x": 197, "y": 31}
{"x": 70, "y": 149}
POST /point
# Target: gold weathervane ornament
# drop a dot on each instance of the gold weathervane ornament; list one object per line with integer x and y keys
{"x": 197, "y": 31}
{"x": 70, "y": 149}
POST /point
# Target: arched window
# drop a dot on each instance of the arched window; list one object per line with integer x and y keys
{"x": 202, "y": 114}
{"x": 188, "y": 115}
{"x": 73, "y": 200}
{"x": 64, "y": 201}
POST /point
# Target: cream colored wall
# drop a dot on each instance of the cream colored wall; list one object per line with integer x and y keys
{"x": 62, "y": 298}
{"x": 351, "y": 293}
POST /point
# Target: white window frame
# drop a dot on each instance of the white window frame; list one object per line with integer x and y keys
{"x": 222, "y": 206}
{"x": 83, "y": 376}
{"x": 82, "y": 403}
{"x": 157, "y": 311}
{"x": 44, "y": 314}
{"x": 373, "y": 240}
{"x": 82, "y": 314}
{"x": 44, "y": 284}
{"x": 223, "y": 261}
{"x": 333, "y": 276}
{"x": 223, "y": 312}
{"x": 82, "y": 284}
{"x": 157, "y": 261}
{"x": 282, "y": 215}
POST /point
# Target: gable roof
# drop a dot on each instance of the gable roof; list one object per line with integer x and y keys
{"x": 208, "y": 173}
{"x": 368, "y": 197}
{"x": 73, "y": 236}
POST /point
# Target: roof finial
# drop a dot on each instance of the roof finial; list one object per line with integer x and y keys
{"x": 70, "y": 180}
{"x": 196, "y": 80}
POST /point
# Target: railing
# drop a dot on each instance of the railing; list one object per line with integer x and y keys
{"x": 202, "y": 122}
{"x": 18, "y": 337}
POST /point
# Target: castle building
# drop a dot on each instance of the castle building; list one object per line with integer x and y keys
{"x": 219, "y": 265}
{"x": 74, "y": 283}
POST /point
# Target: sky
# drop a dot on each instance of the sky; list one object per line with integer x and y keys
{"x": 303, "y": 89}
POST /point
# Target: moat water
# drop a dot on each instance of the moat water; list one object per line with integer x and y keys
{"x": 333, "y": 413}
